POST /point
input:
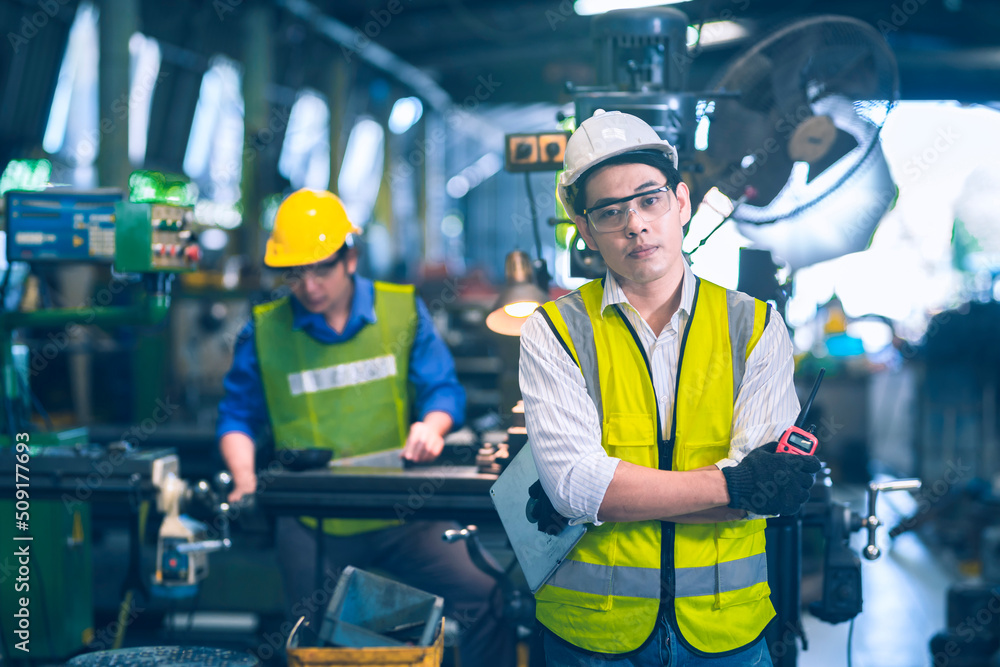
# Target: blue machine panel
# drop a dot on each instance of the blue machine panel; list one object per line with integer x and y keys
{"x": 61, "y": 225}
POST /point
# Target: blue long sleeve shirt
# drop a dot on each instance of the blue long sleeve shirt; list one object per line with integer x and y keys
{"x": 432, "y": 369}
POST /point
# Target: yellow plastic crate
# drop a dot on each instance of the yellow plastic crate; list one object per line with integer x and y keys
{"x": 403, "y": 656}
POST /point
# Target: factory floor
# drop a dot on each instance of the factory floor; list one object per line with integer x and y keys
{"x": 904, "y": 593}
{"x": 904, "y": 602}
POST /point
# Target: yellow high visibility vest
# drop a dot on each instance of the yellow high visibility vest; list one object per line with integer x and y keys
{"x": 350, "y": 397}
{"x": 606, "y": 595}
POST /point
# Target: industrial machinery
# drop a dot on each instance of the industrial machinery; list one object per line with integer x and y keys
{"x": 145, "y": 242}
{"x": 183, "y": 543}
{"x": 53, "y": 476}
{"x": 790, "y": 131}
{"x": 784, "y": 140}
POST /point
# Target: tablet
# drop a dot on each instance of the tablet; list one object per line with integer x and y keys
{"x": 538, "y": 553}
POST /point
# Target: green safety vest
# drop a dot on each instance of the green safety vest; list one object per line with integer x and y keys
{"x": 351, "y": 397}
{"x": 606, "y": 595}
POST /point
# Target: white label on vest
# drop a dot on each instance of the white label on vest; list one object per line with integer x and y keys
{"x": 344, "y": 375}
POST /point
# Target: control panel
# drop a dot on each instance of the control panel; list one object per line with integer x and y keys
{"x": 59, "y": 225}
{"x": 155, "y": 238}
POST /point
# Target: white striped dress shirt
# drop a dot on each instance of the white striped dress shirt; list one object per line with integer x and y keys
{"x": 563, "y": 426}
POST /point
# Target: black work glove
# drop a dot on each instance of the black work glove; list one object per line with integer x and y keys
{"x": 766, "y": 482}
{"x": 540, "y": 511}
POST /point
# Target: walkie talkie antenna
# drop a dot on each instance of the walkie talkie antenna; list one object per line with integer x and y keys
{"x": 805, "y": 408}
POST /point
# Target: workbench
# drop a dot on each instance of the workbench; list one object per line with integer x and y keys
{"x": 381, "y": 485}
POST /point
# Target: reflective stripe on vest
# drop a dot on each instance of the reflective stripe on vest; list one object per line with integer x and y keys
{"x": 350, "y": 397}
{"x": 342, "y": 375}
{"x": 644, "y": 582}
{"x": 606, "y": 595}
{"x": 574, "y": 314}
{"x": 723, "y": 578}
{"x": 634, "y": 582}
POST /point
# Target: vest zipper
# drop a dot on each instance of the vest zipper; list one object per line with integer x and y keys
{"x": 665, "y": 452}
{"x": 669, "y": 528}
{"x": 665, "y": 457}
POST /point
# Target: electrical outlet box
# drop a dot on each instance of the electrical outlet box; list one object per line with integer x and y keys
{"x": 539, "y": 151}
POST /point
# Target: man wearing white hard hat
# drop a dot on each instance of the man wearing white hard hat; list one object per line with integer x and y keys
{"x": 654, "y": 401}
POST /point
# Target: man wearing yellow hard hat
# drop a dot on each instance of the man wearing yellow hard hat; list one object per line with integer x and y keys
{"x": 341, "y": 363}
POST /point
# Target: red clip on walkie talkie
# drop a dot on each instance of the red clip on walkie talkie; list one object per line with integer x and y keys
{"x": 796, "y": 440}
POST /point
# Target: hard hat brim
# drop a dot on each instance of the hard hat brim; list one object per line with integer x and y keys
{"x": 276, "y": 260}
{"x": 662, "y": 147}
{"x": 565, "y": 182}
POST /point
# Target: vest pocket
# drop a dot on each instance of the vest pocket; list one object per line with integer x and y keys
{"x": 700, "y": 454}
{"x": 741, "y": 568}
{"x": 632, "y": 437}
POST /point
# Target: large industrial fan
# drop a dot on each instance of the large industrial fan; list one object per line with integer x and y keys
{"x": 791, "y": 132}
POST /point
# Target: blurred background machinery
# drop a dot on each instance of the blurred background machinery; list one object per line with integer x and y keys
{"x": 841, "y": 152}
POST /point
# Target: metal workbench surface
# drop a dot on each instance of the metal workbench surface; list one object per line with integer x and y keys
{"x": 382, "y": 485}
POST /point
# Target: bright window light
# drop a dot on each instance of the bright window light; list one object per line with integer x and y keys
{"x": 75, "y": 136}
{"x": 907, "y": 274}
{"x": 213, "y": 239}
{"x": 361, "y": 173}
{"x": 716, "y": 32}
{"x": 451, "y": 226}
{"x": 474, "y": 175}
{"x": 405, "y": 114}
{"x": 591, "y": 7}
{"x": 226, "y": 216}
{"x": 457, "y": 187}
{"x": 875, "y": 335}
{"x": 305, "y": 153}
{"x": 977, "y": 205}
{"x": 214, "y": 155}
{"x": 703, "y": 113}
{"x": 144, "y": 72}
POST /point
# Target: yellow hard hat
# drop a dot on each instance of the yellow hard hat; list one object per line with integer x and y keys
{"x": 310, "y": 226}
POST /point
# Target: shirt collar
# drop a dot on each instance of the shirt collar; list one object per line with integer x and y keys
{"x": 613, "y": 293}
{"x": 362, "y": 307}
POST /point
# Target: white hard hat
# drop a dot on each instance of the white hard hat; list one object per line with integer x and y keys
{"x": 602, "y": 136}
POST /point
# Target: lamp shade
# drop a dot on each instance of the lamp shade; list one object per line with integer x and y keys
{"x": 519, "y": 297}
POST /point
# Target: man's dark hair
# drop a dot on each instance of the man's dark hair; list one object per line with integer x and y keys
{"x": 577, "y": 193}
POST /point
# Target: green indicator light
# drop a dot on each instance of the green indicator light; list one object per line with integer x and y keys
{"x": 30, "y": 175}
{"x": 153, "y": 187}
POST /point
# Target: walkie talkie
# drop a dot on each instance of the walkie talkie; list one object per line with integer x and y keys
{"x": 797, "y": 440}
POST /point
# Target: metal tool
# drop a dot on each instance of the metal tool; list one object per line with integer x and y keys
{"x": 841, "y": 593}
{"x": 872, "y": 522}
{"x": 183, "y": 544}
